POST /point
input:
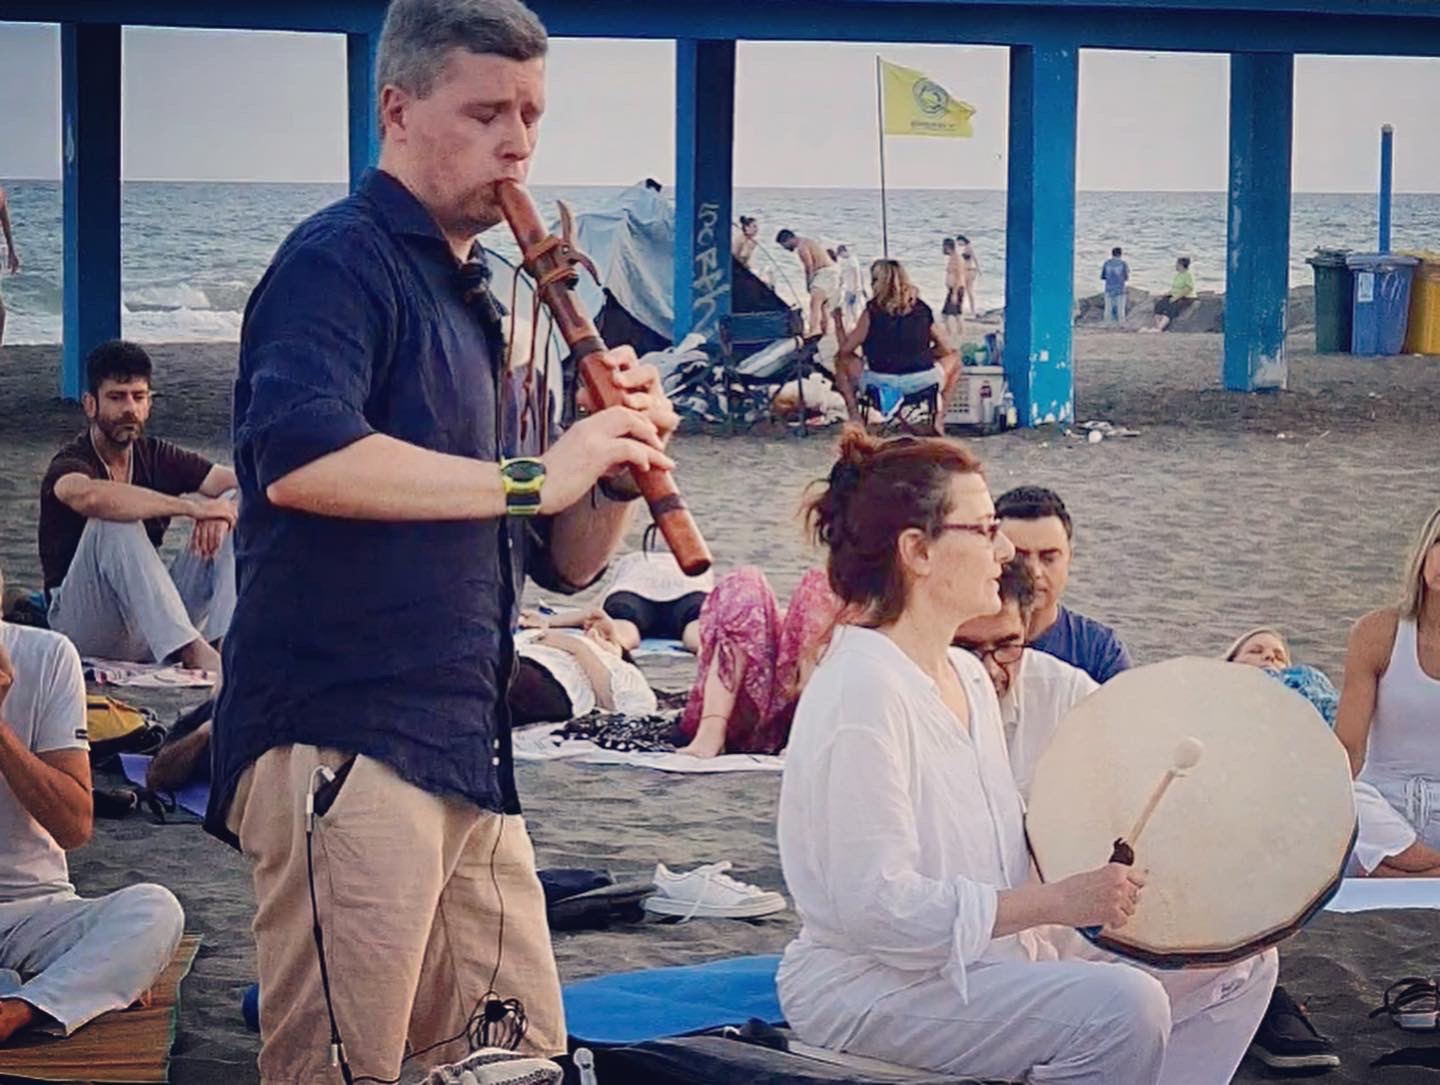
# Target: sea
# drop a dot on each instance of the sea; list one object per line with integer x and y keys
{"x": 191, "y": 252}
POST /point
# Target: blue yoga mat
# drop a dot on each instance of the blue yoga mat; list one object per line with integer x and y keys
{"x": 632, "y": 1007}
{"x": 193, "y": 797}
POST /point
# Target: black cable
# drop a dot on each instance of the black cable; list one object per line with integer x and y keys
{"x": 481, "y": 1027}
{"x": 337, "y": 1048}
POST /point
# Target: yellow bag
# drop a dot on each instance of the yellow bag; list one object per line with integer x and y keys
{"x": 117, "y": 727}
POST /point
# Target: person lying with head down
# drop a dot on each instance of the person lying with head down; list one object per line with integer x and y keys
{"x": 1386, "y": 846}
{"x": 926, "y": 940}
{"x": 647, "y": 595}
{"x": 562, "y": 674}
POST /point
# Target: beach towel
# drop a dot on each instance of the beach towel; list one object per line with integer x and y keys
{"x": 1371, "y": 894}
{"x": 630, "y": 1007}
{"x": 661, "y": 648}
{"x": 128, "y": 1045}
{"x": 545, "y": 742}
{"x": 193, "y": 797}
{"x": 117, "y": 672}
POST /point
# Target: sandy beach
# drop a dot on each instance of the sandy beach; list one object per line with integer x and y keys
{"x": 1225, "y": 512}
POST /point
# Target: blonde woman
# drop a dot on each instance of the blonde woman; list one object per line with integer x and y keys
{"x": 1265, "y": 647}
{"x": 1390, "y": 700}
{"x": 903, "y": 345}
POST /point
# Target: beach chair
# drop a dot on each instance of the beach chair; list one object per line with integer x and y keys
{"x": 760, "y": 354}
{"x": 910, "y": 403}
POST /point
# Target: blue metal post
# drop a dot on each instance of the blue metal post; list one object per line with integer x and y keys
{"x": 704, "y": 156}
{"x": 1387, "y": 174}
{"x": 90, "y": 153}
{"x": 1257, "y": 259}
{"x": 363, "y": 108}
{"x": 1040, "y": 232}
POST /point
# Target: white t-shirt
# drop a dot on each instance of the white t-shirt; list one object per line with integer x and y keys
{"x": 629, "y": 692}
{"x": 46, "y": 710}
{"x": 655, "y": 575}
{"x": 1043, "y": 691}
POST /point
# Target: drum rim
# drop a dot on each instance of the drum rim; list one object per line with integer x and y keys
{"x": 1204, "y": 958}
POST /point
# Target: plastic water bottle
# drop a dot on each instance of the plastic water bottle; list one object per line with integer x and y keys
{"x": 1007, "y": 410}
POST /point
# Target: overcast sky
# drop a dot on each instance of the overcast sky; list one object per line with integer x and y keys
{"x": 261, "y": 106}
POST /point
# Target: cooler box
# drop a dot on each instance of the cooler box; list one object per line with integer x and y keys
{"x": 1382, "y": 301}
{"x": 977, "y": 395}
{"x": 1423, "y": 334}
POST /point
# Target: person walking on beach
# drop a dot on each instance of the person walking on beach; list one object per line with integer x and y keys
{"x": 1115, "y": 274}
{"x": 822, "y": 278}
{"x": 391, "y": 510}
{"x": 953, "y": 311}
{"x": 12, "y": 254}
{"x": 971, "y": 266}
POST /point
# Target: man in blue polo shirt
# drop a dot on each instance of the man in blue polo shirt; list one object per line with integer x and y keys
{"x": 389, "y": 516}
{"x": 1038, "y": 524}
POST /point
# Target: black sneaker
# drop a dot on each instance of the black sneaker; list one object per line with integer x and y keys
{"x": 1286, "y": 1040}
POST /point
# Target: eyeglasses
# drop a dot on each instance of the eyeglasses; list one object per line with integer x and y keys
{"x": 990, "y": 532}
{"x": 1005, "y": 654}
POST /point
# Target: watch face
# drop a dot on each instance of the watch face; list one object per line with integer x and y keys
{"x": 523, "y": 471}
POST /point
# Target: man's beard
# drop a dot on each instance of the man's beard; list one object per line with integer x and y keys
{"x": 121, "y": 432}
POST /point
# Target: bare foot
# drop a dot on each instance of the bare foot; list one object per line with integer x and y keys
{"x": 145, "y": 1001}
{"x": 15, "y": 1015}
{"x": 700, "y": 747}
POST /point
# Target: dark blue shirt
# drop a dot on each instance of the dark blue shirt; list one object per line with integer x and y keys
{"x": 1085, "y": 643}
{"x": 388, "y": 639}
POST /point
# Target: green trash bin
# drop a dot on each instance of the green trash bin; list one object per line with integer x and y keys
{"x": 1334, "y": 301}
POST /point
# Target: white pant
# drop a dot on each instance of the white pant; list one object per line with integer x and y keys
{"x": 77, "y": 958}
{"x": 118, "y": 601}
{"x": 1096, "y": 1022}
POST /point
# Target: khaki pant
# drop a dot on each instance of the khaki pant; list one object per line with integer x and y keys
{"x": 407, "y": 888}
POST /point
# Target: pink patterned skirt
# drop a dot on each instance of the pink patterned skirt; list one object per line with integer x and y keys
{"x": 741, "y": 626}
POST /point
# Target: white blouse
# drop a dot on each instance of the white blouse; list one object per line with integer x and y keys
{"x": 629, "y": 691}
{"x": 898, "y": 828}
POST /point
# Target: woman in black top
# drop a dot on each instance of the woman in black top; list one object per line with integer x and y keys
{"x": 899, "y": 335}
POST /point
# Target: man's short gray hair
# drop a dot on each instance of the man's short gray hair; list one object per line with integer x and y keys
{"x": 419, "y": 35}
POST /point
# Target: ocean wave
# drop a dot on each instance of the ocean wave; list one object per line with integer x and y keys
{"x": 166, "y": 297}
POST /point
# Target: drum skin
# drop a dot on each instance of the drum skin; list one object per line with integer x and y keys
{"x": 1241, "y": 851}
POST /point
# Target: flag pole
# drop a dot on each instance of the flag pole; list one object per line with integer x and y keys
{"x": 880, "y": 133}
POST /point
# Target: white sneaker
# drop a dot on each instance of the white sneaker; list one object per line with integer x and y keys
{"x": 709, "y": 892}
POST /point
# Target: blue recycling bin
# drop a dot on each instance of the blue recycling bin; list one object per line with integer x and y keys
{"x": 1382, "y": 301}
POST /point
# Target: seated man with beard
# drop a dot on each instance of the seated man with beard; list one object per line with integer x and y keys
{"x": 106, "y": 502}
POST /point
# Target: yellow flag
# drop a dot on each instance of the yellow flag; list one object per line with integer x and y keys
{"x": 916, "y": 105}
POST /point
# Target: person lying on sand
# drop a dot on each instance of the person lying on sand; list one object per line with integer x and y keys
{"x": 106, "y": 503}
{"x": 79, "y": 957}
{"x": 564, "y": 673}
{"x": 754, "y": 661}
{"x": 926, "y": 939}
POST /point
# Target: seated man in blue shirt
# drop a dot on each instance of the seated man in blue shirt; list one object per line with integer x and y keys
{"x": 1038, "y": 524}
{"x": 392, "y": 504}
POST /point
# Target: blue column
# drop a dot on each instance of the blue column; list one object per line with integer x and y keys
{"x": 1040, "y": 233}
{"x": 363, "y": 107}
{"x": 1387, "y": 176}
{"x": 704, "y": 156}
{"x": 90, "y": 151}
{"x": 1257, "y": 261}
